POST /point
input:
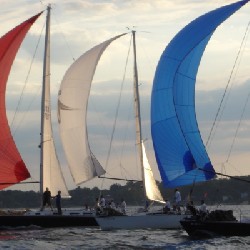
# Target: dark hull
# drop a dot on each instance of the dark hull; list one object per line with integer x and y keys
{"x": 198, "y": 228}
{"x": 47, "y": 221}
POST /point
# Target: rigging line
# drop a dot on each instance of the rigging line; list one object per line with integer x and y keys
{"x": 42, "y": 3}
{"x": 229, "y": 81}
{"x": 235, "y": 73}
{"x": 34, "y": 181}
{"x": 223, "y": 168}
{"x": 25, "y": 83}
{"x": 237, "y": 129}
{"x": 12, "y": 183}
{"x": 225, "y": 175}
{"x": 116, "y": 114}
{"x": 191, "y": 190}
{"x": 147, "y": 58}
{"x": 64, "y": 37}
{"x": 126, "y": 173}
{"x": 118, "y": 179}
{"x": 237, "y": 170}
{"x": 237, "y": 62}
{"x": 126, "y": 131}
{"x": 243, "y": 111}
{"x": 31, "y": 102}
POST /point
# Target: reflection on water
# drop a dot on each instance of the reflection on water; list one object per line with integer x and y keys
{"x": 7, "y": 237}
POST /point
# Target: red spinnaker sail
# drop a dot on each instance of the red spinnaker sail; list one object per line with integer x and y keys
{"x": 12, "y": 167}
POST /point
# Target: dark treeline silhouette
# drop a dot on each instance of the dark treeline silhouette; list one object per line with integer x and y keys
{"x": 218, "y": 191}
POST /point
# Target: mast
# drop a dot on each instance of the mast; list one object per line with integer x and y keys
{"x": 138, "y": 114}
{"x": 45, "y": 107}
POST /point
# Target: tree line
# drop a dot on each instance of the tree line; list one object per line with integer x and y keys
{"x": 222, "y": 191}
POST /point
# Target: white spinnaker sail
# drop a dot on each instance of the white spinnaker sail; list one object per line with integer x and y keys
{"x": 51, "y": 174}
{"x": 151, "y": 188}
{"x": 72, "y": 114}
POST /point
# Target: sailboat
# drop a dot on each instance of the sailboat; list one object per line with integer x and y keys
{"x": 180, "y": 152}
{"x": 72, "y": 112}
{"x": 13, "y": 168}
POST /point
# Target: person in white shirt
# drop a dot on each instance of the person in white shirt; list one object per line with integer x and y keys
{"x": 167, "y": 207}
{"x": 177, "y": 200}
{"x": 102, "y": 202}
{"x": 123, "y": 206}
{"x": 97, "y": 206}
{"x": 203, "y": 207}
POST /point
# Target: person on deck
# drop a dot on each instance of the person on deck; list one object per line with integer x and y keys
{"x": 58, "y": 203}
{"x": 167, "y": 207}
{"x": 123, "y": 206}
{"x": 177, "y": 200}
{"x": 102, "y": 202}
{"x": 203, "y": 208}
{"x": 191, "y": 208}
{"x": 97, "y": 206}
{"x": 47, "y": 199}
{"x": 146, "y": 206}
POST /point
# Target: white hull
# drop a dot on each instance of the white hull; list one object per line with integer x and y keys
{"x": 141, "y": 221}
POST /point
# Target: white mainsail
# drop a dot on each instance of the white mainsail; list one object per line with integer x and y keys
{"x": 51, "y": 174}
{"x": 72, "y": 114}
{"x": 152, "y": 191}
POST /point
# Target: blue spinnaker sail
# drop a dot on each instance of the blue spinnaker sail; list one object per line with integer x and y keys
{"x": 180, "y": 153}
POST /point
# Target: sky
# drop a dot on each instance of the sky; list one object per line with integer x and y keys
{"x": 78, "y": 25}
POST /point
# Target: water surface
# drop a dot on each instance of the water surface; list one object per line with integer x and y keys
{"x": 94, "y": 238}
